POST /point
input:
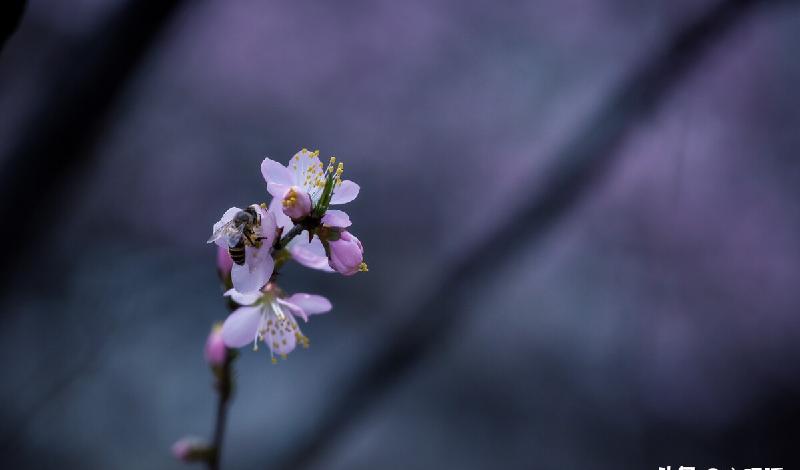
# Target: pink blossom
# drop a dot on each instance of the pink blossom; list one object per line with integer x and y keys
{"x": 346, "y": 254}
{"x": 310, "y": 254}
{"x": 215, "y": 351}
{"x": 296, "y": 203}
{"x": 189, "y": 449}
{"x": 306, "y": 172}
{"x": 270, "y": 317}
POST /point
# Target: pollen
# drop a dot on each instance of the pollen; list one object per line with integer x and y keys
{"x": 274, "y": 361}
{"x": 363, "y": 267}
{"x": 302, "y": 339}
{"x": 290, "y": 200}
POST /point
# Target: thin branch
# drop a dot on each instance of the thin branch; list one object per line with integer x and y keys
{"x": 295, "y": 231}
{"x": 69, "y": 114}
{"x": 224, "y": 375}
{"x": 224, "y": 388}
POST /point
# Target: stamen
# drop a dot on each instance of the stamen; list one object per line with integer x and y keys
{"x": 278, "y": 311}
{"x": 290, "y": 200}
{"x": 303, "y": 340}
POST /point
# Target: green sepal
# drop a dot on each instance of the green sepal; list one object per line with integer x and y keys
{"x": 325, "y": 198}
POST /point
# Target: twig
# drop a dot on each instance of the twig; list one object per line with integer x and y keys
{"x": 295, "y": 231}
{"x": 224, "y": 386}
{"x": 224, "y": 375}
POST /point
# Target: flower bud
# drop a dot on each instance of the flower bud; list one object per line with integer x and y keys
{"x": 296, "y": 203}
{"x": 346, "y": 254}
{"x": 215, "y": 351}
{"x": 191, "y": 449}
{"x": 224, "y": 263}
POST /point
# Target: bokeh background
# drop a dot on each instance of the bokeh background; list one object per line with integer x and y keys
{"x": 580, "y": 216}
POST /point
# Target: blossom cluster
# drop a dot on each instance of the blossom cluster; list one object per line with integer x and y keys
{"x": 297, "y": 224}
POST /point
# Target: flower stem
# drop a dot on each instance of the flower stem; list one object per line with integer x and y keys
{"x": 224, "y": 377}
{"x": 224, "y": 386}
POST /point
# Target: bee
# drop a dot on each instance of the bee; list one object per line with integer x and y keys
{"x": 240, "y": 232}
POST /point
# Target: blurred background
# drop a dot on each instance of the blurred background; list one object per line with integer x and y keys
{"x": 580, "y": 217}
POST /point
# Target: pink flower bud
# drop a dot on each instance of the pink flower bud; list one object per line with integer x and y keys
{"x": 346, "y": 254}
{"x": 296, "y": 203}
{"x": 215, "y": 351}
{"x": 224, "y": 262}
{"x": 190, "y": 449}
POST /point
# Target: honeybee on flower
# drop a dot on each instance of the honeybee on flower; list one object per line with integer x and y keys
{"x": 297, "y": 224}
{"x": 252, "y": 244}
{"x": 248, "y": 235}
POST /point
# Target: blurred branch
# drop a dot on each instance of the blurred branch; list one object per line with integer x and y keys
{"x": 55, "y": 146}
{"x": 71, "y": 112}
{"x": 576, "y": 169}
{"x": 224, "y": 386}
{"x": 11, "y": 12}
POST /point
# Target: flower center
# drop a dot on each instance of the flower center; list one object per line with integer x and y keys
{"x": 276, "y": 328}
{"x": 313, "y": 174}
{"x": 290, "y": 200}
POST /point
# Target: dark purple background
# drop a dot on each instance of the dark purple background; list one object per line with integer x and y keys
{"x": 581, "y": 221}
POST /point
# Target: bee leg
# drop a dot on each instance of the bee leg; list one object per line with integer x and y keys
{"x": 250, "y": 240}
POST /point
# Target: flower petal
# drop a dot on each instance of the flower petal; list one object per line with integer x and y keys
{"x": 241, "y": 326}
{"x": 274, "y": 172}
{"x": 346, "y": 253}
{"x": 224, "y": 261}
{"x": 310, "y": 303}
{"x": 336, "y": 218}
{"x": 311, "y": 255}
{"x": 282, "y": 220}
{"x": 294, "y": 309}
{"x": 268, "y": 225}
{"x": 255, "y": 272}
{"x": 305, "y": 167}
{"x": 278, "y": 190}
{"x": 281, "y": 335}
{"x": 345, "y": 192}
{"x": 243, "y": 299}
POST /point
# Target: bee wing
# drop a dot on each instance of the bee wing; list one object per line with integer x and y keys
{"x": 234, "y": 239}
{"x": 228, "y": 230}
